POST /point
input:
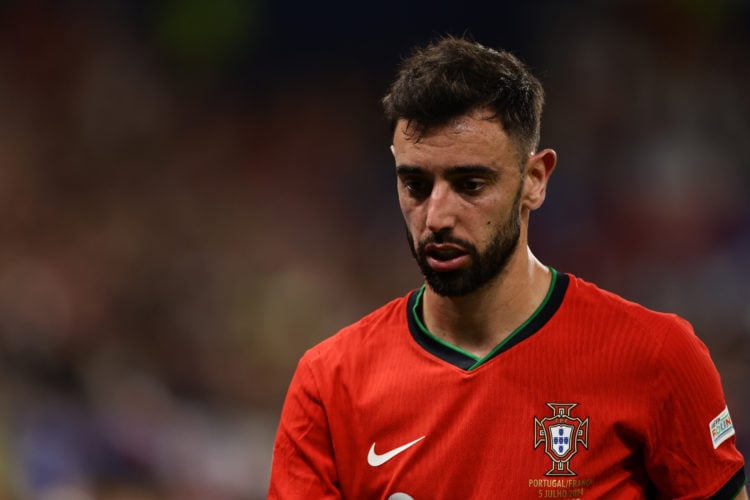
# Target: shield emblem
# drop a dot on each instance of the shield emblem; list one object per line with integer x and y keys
{"x": 560, "y": 437}
{"x": 561, "y": 434}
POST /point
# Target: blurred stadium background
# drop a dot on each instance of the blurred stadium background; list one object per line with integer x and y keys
{"x": 194, "y": 192}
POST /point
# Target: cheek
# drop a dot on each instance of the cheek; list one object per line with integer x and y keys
{"x": 412, "y": 224}
{"x": 408, "y": 210}
{"x": 403, "y": 205}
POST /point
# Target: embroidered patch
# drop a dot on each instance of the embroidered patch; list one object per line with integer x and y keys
{"x": 561, "y": 434}
{"x": 721, "y": 428}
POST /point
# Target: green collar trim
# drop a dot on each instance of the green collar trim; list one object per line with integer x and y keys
{"x": 479, "y": 361}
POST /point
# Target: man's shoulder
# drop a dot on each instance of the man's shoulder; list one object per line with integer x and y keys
{"x": 612, "y": 308}
{"x": 374, "y": 329}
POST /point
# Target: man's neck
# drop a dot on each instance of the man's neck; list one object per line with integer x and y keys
{"x": 481, "y": 320}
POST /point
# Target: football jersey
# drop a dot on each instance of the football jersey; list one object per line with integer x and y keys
{"x": 592, "y": 397}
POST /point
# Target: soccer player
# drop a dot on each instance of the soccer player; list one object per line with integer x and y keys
{"x": 500, "y": 377}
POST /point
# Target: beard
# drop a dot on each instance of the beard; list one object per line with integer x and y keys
{"x": 484, "y": 267}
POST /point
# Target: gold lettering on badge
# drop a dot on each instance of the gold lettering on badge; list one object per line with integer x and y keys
{"x": 560, "y": 488}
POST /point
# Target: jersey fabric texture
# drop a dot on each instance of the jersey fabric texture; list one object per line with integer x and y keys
{"x": 592, "y": 397}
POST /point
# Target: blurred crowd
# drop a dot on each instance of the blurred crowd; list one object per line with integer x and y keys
{"x": 185, "y": 208}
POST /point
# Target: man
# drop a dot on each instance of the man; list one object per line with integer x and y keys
{"x": 501, "y": 377}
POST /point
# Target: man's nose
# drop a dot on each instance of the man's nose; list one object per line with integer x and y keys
{"x": 441, "y": 209}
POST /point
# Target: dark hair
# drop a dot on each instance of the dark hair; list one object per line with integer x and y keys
{"x": 455, "y": 76}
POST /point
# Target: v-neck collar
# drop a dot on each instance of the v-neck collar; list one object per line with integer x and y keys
{"x": 467, "y": 361}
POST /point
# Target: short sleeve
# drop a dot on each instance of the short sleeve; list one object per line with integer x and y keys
{"x": 303, "y": 464}
{"x": 691, "y": 450}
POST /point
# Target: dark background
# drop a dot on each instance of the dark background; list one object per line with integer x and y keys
{"x": 194, "y": 192}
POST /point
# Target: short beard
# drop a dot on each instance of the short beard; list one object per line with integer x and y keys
{"x": 484, "y": 267}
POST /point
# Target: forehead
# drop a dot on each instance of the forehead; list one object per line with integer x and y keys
{"x": 469, "y": 139}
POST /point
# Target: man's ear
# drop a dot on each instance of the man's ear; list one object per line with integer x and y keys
{"x": 539, "y": 167}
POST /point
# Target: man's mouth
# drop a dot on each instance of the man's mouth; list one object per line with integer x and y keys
{"x": 443, "y": 252}
{"x": 445, "y": 257}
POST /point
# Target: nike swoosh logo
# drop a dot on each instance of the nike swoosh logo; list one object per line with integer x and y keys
{"x": 377, "y": 460}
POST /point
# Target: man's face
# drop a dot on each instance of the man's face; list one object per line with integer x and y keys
{"x": 460, "y": 190}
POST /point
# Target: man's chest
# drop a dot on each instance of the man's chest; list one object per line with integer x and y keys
{"x": 484, "y": 436}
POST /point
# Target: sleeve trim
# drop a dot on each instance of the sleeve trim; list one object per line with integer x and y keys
{"x": 732, "y": 487}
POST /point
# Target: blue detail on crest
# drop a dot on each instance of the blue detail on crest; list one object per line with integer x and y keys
{"x": 561, "y": 441}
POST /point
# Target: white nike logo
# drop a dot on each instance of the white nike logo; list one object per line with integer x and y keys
{"x": 376, "y": 460}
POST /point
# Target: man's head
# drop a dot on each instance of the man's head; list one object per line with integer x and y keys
{"x": 465, "y": 130}
{"x": 454, "y": 76}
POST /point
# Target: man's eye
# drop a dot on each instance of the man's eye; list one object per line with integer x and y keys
{"x": 417, "y": 187}
{"x": 471, "y": 185}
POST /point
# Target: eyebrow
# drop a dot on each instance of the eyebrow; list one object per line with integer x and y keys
{"x": 409, "y": 170}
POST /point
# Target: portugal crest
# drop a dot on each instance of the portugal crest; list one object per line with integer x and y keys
{"x": 561, "y": 435}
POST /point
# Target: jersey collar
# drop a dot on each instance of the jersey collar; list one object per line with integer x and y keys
{"x": 467, "y": 361}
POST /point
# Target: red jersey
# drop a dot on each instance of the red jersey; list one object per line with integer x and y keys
{"x": 592, "y": 397}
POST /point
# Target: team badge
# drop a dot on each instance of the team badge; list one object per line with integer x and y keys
{"x": 561, "y": 435}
